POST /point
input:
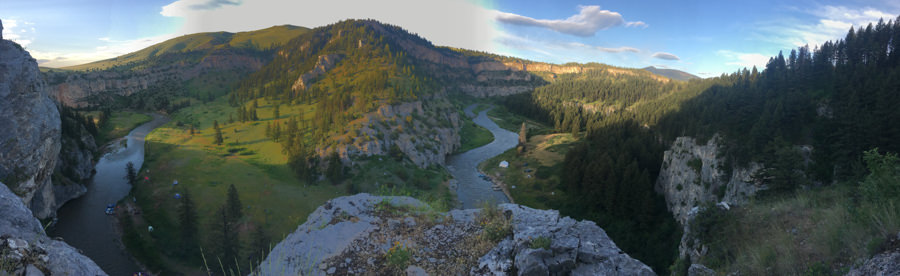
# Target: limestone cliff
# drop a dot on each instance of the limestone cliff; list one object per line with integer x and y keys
{"x": 30, "y": 136}
{"x": 353, "y": 234}
{"x": 693, "y": 174}
{"x": 76, "y": 89}
{"x": 25, "y": 248}
{"x": 75, "y": 164}
{"x": 323, "y": 64}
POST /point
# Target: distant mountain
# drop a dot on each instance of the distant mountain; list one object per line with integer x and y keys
{"x": 672, "y": 73}
{"x": 203, "y": 42}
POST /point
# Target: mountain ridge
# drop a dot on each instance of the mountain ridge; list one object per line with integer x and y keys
{"x": 671, "y": 73}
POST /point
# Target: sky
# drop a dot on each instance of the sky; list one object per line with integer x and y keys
{"x": 705, "y": 38}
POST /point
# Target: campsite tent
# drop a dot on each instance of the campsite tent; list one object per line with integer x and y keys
{"x": 504, "y": 164}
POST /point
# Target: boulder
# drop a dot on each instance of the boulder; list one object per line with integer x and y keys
{"x": 352, "y": 234}
{"x": 886, "y": 263}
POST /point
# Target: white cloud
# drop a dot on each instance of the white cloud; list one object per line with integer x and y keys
{"x": 548, "y": 48}
{"x": 587, "y": 22}
{"x": 832, "y": 23}
{"x": 618, "y": 49}
{"x": 636, "y": 24}
{"x": 109, "y": 49}
{"x": 665, "y": 56}
{"x": 747, "y": 60}
{"x": 17, "y": 31}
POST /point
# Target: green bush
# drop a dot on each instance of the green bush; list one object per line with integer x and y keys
{"x": 540, "y": 242}
{"x": 398, "y": 256}
{"x": 883, "y": 181}
{"x": 696, "y": 164}
{"x": 495, "y": 224}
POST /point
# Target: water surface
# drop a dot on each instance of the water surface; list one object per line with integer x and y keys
{"x": 82, "y": 222}
{"x": 472, "y": 191}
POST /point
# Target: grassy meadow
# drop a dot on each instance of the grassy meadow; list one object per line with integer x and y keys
{"x": 272, "y": 196}
{"x": 544, "y": 156}
{"x": 119, "y": 124}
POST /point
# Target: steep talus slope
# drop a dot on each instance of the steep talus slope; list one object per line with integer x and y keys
{"x": 30, "y": 140}
{"x": 25, "y": 248}
{"x": 353, "y": 234}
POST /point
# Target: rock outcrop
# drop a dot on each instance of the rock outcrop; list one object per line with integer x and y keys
{"x": 323, "y": 64}
{"x": 80, "y": 89}
{"x": 353, "y": 235}
{"x": 426, "y": 131}
{"x": 75, "y": 164}
{"x": 887, "y": 263}
{"x": 30, "y": 136}
{"x": 25, "y": 248}
{"x": 693, "y": 174}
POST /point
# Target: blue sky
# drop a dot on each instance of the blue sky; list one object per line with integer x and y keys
{"x": 705, "y": 38}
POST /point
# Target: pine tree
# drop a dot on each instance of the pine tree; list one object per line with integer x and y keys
{"x": 260, "y": 243}
{"x": 130, "y": 173}
{"x": 277, "y": 113}
{"x": 187, "y": 220}
{"x": 233, "y": 204}
{"x": 523, "y": 138}
{"x": 335, "y": 171}
{"x": 223, "y": 239}
{"x": 219, "y": 138}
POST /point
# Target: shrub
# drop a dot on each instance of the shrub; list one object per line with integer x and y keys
{"x": 398, "y": 256}
{"x": 883, "y": 181}
{"x": 495, "y": 224}
{"x": 696, "y": 164}
{"x": 540, "y": 242}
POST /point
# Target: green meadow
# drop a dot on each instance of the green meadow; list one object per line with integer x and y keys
{"x": 273, "y": 197}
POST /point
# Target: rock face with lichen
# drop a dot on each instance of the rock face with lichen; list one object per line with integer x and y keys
{"x": 30, "y": 136}
{"x": 365, "y": 234}
{"x": 25, "y": 248}
{"x": 693, "y": 174}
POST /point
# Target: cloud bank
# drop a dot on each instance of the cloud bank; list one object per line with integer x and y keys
{"x": 665, "y": 56}
{"x": 588, "y": 21}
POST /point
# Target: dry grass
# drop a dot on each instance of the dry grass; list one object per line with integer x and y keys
{"x": 826, "y": 229}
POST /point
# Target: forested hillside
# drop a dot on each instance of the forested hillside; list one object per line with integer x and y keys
{"x": 840, "y": 98}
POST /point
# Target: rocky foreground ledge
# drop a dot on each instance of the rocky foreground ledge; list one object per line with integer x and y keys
{"x": 374, "y": 235}
{"x": 25, "y": 248}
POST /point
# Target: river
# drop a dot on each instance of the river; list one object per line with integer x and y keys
{"x": 82, "y": 222}
{"x": 472, "y": 191}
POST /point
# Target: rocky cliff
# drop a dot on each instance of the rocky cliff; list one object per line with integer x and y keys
{"x": 75, "y": 164}
{"x": 693, "y": 174}
{"x": 25, "y": 248}
{"x": 357, "y": 234}
{"x": 323, "y": 64}
{"x": 30, "y": 136}
{"x": 77, "y": 89}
